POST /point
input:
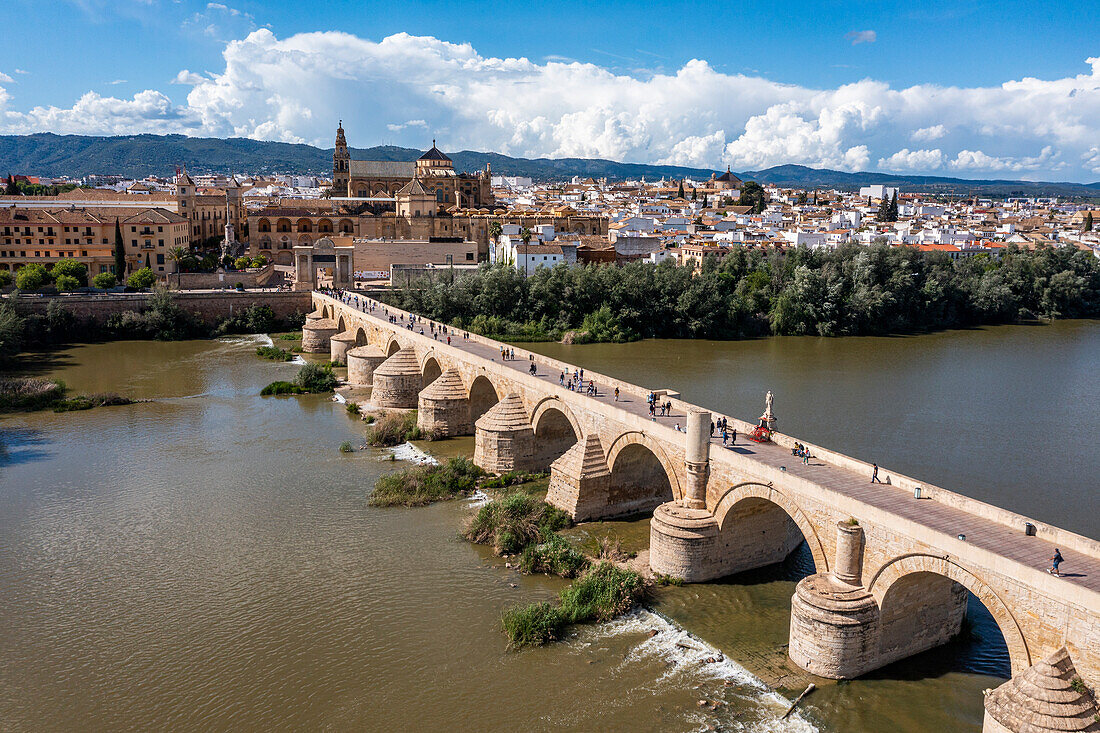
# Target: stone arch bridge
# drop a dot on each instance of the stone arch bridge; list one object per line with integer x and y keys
{"x": 893, "y": 561}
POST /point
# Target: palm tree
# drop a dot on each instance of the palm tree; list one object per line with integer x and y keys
{"x": 525, "y": 236}
{"x": 494, "y": 234}
{"x": 177, "y": 254}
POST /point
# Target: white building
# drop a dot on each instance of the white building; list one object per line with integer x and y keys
{"x": 878, "y": 191}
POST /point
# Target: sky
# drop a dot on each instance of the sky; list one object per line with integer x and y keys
{"x": 966, "y": 89}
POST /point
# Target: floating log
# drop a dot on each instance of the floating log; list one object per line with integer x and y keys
{"x": 809, "y": 688}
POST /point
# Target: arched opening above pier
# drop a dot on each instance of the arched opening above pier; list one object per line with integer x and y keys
{"x": 759, "y": 527}
{"x": 927, "y": 602}
{"x": 393, "y": 348}
{"x": 639, "y": 481}
{"x": 360, "y": 337}
{"x": 430, "y": 370}
{"x": 554, "y": 433}
{"x": 482, "y": 397}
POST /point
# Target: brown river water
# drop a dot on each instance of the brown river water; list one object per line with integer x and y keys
{"x": 208, "y": 561}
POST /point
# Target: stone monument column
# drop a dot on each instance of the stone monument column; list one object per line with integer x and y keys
{"x": 697, "y": 458}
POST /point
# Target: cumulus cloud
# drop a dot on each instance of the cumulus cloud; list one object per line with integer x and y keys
{"x": 414, "y": 88}
{"x": 5, "y": 79}
{"x": 858, "y": 37}
{"x": 928, "y": 134}
{"x": 912, "y": 160}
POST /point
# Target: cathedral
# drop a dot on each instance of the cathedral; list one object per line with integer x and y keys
{"x": 434, "y": 172}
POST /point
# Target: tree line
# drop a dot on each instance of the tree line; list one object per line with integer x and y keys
{"x": 854, "y": 290}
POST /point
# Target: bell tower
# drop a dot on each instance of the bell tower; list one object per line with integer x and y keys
{"x": 341, "y": 164}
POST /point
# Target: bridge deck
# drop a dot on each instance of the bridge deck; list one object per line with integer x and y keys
{"x": 987, "y": 534}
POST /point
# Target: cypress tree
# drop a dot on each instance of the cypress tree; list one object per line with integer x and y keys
{"x": 883, "y": 213}
{"x": 680, "y": 192}
{"x": 694, "y": 194}
{"x": 894, "y": 207}
{"x": 1088, "y": 222}
{"x": 12, "y": 189}
{"x": 120, "y": 253}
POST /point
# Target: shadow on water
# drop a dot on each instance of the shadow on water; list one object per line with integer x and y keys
{"x": 22, "y": 445}
{"x": 38, "y": 362}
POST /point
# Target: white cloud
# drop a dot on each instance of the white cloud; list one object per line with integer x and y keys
{"x": 928, "y": 134}
{"x": 117, "y": 82}
{"x": 857, "y": 37}
{"x": 22, "y": 71}
{"x": 5, "y": 79}
{"x": 912, "y": 160}
{"x": 415, "y": 88}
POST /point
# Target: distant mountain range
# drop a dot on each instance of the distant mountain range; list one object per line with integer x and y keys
{"x": 137, "y": 156}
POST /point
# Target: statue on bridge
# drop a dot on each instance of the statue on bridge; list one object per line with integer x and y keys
{"x": 768, "y": 418}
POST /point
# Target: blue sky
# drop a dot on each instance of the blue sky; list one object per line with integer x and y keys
{"x": 931, "y": 87}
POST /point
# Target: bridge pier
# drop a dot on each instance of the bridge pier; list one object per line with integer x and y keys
{"x": 579, "y": 480}
{"x": 1041, "y": 698}
{"x": 316, "y": 334}
{"x": 839, "y": 629}
{"x": 396, "y": 381}
{"x": 503, "y": 437}
{"x": 339, "y": 345}
{"x": 443, "y": 408}
{"x": 362, "y": 361}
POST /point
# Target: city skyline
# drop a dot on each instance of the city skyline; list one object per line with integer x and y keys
{"x": 739, "y": 87}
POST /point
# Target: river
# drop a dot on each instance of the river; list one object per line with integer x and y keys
{"x": 208, "y": 560}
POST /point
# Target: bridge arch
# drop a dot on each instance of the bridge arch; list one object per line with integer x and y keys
{"x": 429, "y": 368}
{"x": 327, "y": 311}
{"x": 757, "y": 498}
{"x": 360, "y": 336}
{"x": 341, "y": 325}
{"x": 642, "y": 475}
{"x": 556, "y": 430}
{"x": 483, "y": 395}
{"x": 895, "y": 574}
{"x": 393, "y": 347}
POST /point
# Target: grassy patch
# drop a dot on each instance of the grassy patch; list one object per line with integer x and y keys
{"x": 87, "y": 402}
{"x": 555, "y": 556}
{"x": 514, "y": 522}
{"x": 511, "y": 478}
{"x": 17, "y": 395}
{"x": 346, "y": 447}
{"x": 421, "y": 485}
{"x": 352, "y": 408}
{"x": 395, "y": 428}
{"x": 604, "y": 592}
{"x": 663, "y": 580}
{"x": 27, "y": 394}
{"x": 274, "y": 353}
{"x": 311, "y": 379}
{"x": 601, "y": 594}
{"x": 531, "y": 625}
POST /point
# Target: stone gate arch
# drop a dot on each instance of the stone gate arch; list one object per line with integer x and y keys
{"x": 908, "y": 566}
{"x": 393, "y": 347}
{"x": 751, "y": 495}
{"x": 629, "y": 456}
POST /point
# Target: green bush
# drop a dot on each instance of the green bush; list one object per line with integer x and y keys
{"x": 32, "y": 277}
{"x": 277, "y": 388}
{"x": 315, "y": 378}
{"x": 104, "y": 280}
{"x": 601, "y": 594}
{"x": 253, "y": 319}
{"x": 346, "y": 447}
{"x": 394, "y": 428}
{"x": 531, "y": 625}
{"x": 259, "y": 260}
{"x": 274, "y": 353}
{"x": 421, "y": 485}
{"x": 242, "y": 263}
{"x": 12, "y": 331}
{"x": 352, "y": 408}
{"x": 142, "y": 278}
{"x": 67, "y": 283}
{"x": 514, "y": 522}
{"x": 5, "y": 278}
{"x": 554, "y": 556}
{"x": 162, "y": 319}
